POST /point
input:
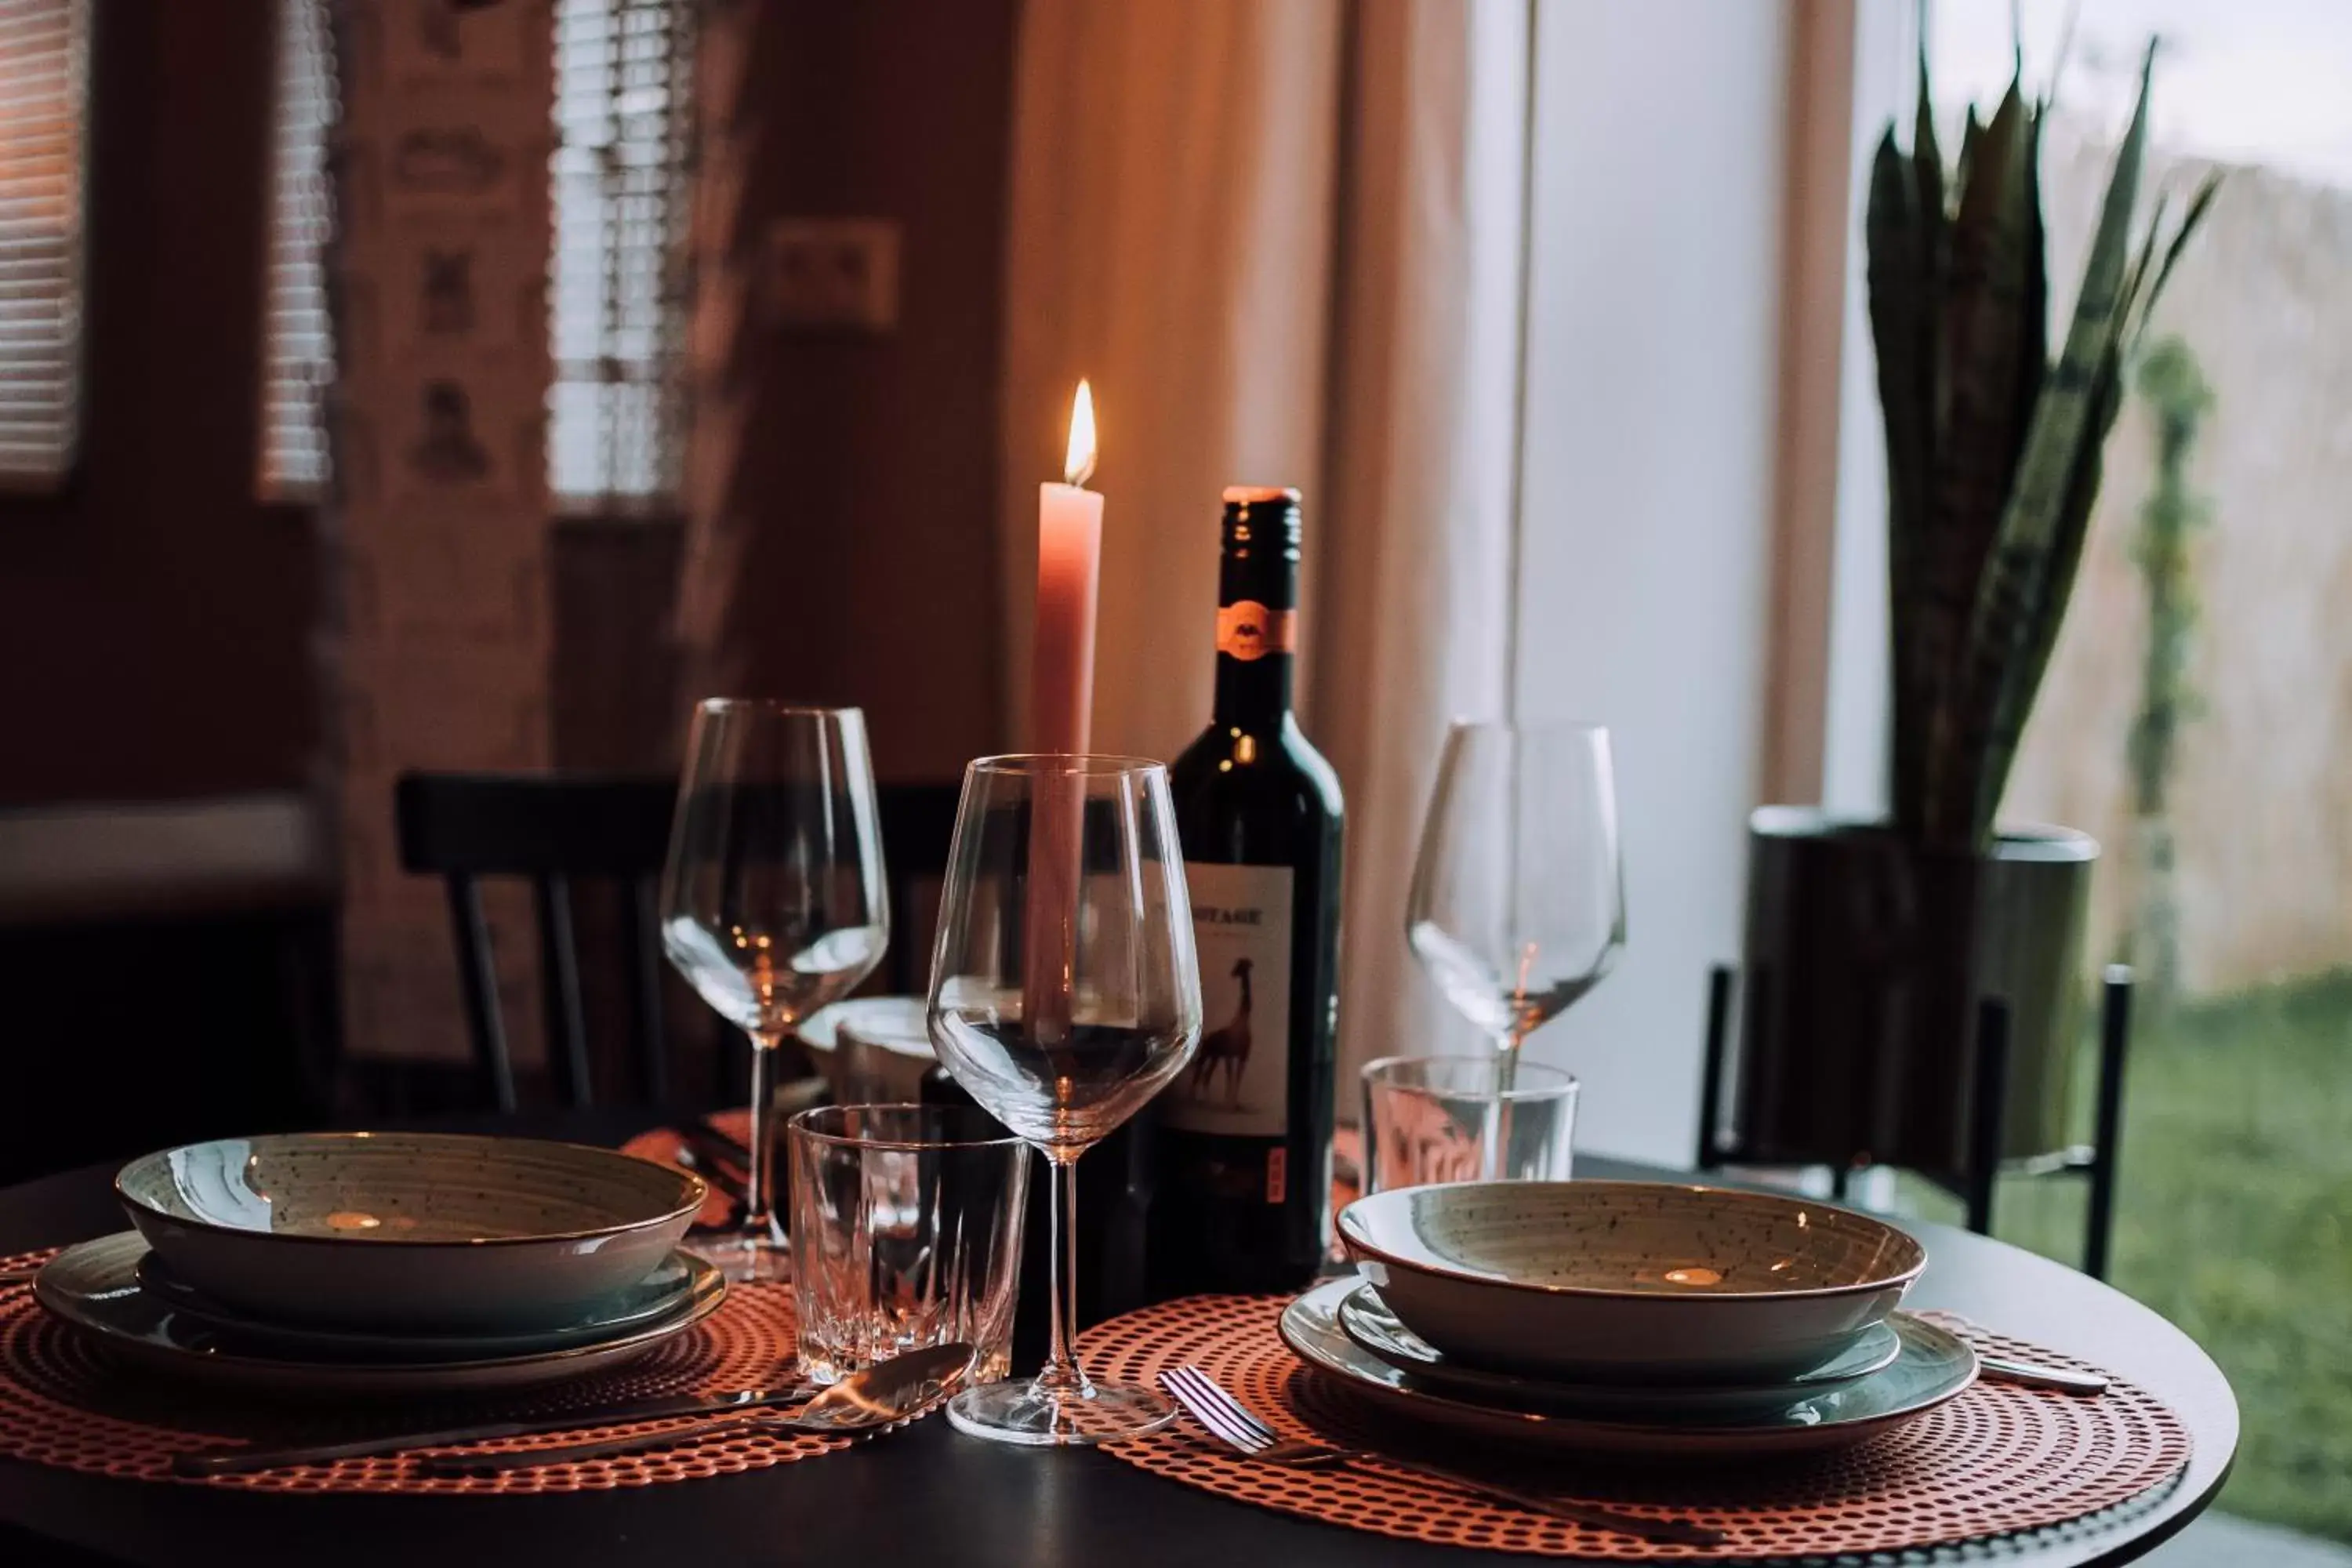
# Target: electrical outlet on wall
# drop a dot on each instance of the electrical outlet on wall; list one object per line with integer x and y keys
{"x": 832, "y": 274}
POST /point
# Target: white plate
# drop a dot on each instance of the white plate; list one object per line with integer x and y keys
{"x": 1367, "y": 1320}
{"x": 94, "y": 1287}
{"x": 1933, "y": 1367}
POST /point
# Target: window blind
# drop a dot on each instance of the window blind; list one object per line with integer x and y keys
{"x": 44, "y": 89}
{"x": 622, "y": 182}
{"x": 298, "y": 343}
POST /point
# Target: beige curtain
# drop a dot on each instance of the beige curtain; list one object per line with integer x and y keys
{"x": 1283, "y": 238}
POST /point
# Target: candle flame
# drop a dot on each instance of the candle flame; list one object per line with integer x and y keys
{"x": 1079, "y": 465}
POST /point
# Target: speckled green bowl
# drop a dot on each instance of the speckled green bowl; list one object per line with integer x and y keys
{"x": 414, "y": 1231}
{"x": 1630, "y": 1282}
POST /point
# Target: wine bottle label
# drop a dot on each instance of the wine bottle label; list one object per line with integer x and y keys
{"x": 1238, "y": 1083}
{"x": 1248, "y": 630}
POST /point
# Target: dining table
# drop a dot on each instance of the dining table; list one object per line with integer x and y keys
{"x": 931, "y": 1496}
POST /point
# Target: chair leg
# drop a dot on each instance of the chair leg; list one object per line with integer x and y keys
{"x": 641, "y": 950}
{"x": 477, "y": 979}
{"x": 2114, "y": 1048}
{"x": 1987, "y": 1108}
{"x": 1710, "y": 1083}
{"x": 566, "y": 1023}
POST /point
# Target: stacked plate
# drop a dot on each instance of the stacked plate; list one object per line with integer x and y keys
{"x": 387, "y": 1263}
{"x": 1628, "y": 1317}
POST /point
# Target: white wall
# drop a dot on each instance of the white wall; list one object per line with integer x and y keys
{"x": 1648, "y": 494}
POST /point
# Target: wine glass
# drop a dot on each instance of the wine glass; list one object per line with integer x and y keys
{"x": 1517, "y": 905}
{"x": 773, "y": 901}
{"x": 1065, "y": 993}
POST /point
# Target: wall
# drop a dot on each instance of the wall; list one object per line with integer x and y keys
{"x": 855, "y": 477}
{"x": 153, "y": 616}
{"x": 2263, "y": 792}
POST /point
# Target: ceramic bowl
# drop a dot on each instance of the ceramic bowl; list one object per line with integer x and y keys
{"x": 872, "y": 1050}
{"x": 407, "y": 1231}
{"x": 1621, "y": 1281}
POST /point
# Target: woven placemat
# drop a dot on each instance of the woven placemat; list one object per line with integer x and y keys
{"x": 64, "y": 1403}
{"x": 1997, "y": 1460}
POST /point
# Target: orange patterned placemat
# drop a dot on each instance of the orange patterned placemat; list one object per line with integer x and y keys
{"x": 64, "y": 1403}
{"x": 1997, "y": 1460}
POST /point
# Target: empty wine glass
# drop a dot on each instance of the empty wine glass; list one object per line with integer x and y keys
{"x": 1517, "y": 905}
{"x": 1065, "y": 993}
{"x": 773, "y": 901}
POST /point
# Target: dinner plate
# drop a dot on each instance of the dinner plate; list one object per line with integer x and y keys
{"x": 650, "y": 1299}
{"x": 1932, "y": 1367}
{"x": 1366, "y": 1320}
{"x": 94, "y": 1289}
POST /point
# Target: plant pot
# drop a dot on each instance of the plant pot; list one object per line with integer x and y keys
{"x": 1866, "y": 960}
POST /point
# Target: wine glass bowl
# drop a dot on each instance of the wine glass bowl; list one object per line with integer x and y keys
{"x": 1065, "y": 992}
{"x": 773, "y": 902}
{"x": 1518, "y": 906}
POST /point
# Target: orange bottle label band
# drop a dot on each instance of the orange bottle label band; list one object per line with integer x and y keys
{"x": 1249, "y": 630}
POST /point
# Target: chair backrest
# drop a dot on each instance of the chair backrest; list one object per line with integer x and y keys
{"x": 556, "y": 829}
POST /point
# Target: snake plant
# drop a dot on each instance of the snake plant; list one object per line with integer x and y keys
{"x": 1992, "y": 449}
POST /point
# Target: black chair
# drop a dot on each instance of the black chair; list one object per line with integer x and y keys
{"x": 559, "y": 829}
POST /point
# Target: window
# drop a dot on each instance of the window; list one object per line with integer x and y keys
{"x": 621, "y": 179}
{"x": 622, "y": 184}
{"x": 299, "y": 341}
{"x": 2192, "y": 719}
{"x": 44, "y": 91}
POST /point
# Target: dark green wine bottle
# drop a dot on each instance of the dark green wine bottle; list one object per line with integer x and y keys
{"x": 1242, "y": 1137}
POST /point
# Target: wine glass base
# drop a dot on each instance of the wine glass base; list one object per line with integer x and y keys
{"x": 1019, "y": 1411}
{"x": 744, "y": 1259}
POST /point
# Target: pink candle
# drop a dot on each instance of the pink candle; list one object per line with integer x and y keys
{"x": 1069, "y": 572}
{"x": 1062, "y": 700}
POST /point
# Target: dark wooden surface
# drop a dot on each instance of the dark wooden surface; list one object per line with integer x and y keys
{"x": 933, "y": 1497}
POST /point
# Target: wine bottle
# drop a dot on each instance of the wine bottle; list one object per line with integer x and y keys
{"x": 1241, "y": 1142}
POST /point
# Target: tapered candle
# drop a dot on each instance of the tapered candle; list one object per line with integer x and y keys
{"x": 1069, "y": 573}
{"x": 1062, "y": 697}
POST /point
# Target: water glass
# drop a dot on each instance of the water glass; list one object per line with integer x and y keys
{"x": 905, "y": 1233}
{"x": 1438, "y": 1119}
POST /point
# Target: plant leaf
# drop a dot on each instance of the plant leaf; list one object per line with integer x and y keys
{"x": 1977, "y": 445}
{"x": 2207, "y": 189}
{"x": 1901, "y": 307}
{"x": 2066, "y": 560}
{"x": 2016, "y": 586}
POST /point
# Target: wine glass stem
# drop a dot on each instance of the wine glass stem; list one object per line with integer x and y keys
{"x": 1506, "y": 1077}
{"x": 1062, "y": 1374}
{"x": 759, "y": 1181}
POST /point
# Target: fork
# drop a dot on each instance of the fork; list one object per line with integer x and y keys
{"x": 1234, "y": 1423}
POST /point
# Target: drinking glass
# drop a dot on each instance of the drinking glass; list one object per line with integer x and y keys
{"x": 1065, "y": 993}
{"x": 1436, "y": 1118}
{"x": 905, "y": 1233}
{"x": 773, "y": 901}
{"x": 1517, "y": 905}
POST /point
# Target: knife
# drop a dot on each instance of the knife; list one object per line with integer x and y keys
{"x": 246, "y": 1461}
{"x": 880, "y": 1398}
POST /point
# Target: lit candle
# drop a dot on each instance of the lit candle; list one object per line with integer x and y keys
{"x": 1062, "y": 700}
{"x": 1069, "y": 573}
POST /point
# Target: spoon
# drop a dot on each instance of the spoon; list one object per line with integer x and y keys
{"x": 881, "y": 1398}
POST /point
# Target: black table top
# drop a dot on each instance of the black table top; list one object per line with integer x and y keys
{"x": 933, "y": 1496}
